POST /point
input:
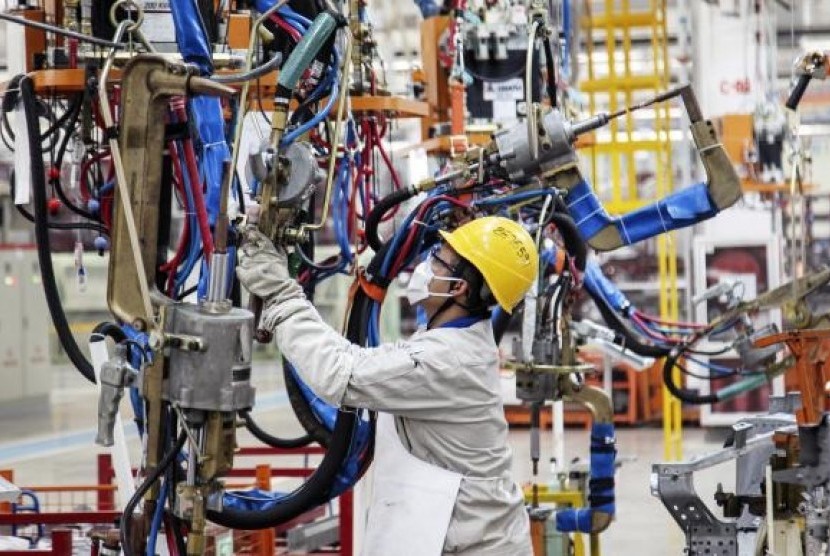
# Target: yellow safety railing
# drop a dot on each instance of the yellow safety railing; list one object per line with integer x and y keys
{"x": 619, "y": 74}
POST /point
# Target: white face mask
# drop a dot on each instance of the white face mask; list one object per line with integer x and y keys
{"x": 418, "y": 288}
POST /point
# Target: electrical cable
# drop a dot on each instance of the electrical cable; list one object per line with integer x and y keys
{"x": 710, "y": 377}
{"x": 149, "y": 481}
{"x": 93, "y": 226}
{"x": 271, "y": 440}
{"x": 56, "y": 180}
{"x": 9, "y": 102}
{"x": 254, "y": 73}
{"x": 727, "y": 349}
{"x": 682, "y": 394}
{"x": 50, "y": 288}
{"x": 158, "y": 514}
{"x": 64, "y": 225}
{"x": 61, "y": 31}
{"x": 110, "y": 330}
{"x": 575, "y": 246}
{"x": 311, "y": 493}
{"x": 627, "y": 337}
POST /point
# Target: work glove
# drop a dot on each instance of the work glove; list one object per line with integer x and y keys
{"x": 263, "y": 269}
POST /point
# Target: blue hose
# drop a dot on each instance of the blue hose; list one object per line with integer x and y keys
{"x": 601, "y": 483}
{"x": 598, "y": 284}
{"x": 683, "y": 208}
{"x": 156, "y": 524}
{"x": 291, "y": 136}
{"x": 288, "y": 13}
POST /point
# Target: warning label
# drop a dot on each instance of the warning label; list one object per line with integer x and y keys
{"x": 512, "y": 89}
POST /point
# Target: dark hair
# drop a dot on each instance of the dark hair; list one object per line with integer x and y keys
{"x": 479, "y": 296}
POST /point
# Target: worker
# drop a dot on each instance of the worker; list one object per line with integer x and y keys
{"x": 442, "y": 469}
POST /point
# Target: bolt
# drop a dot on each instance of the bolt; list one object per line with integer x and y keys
{"x": 194, "y": 345}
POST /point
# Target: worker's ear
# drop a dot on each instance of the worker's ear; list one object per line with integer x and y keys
{"x": 459, "y": 287}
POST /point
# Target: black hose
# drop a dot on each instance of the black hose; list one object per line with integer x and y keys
{"x": 9, "y": 103}
{"x": 110, "y": 329}
{"x": 798, "y": 91}
{"x": 384, "y": 205}
{"x": 574, "y": 244}
{"x": 316, "y": 489}
{"x": 149, "y": 481}
{"x": 44, "y": 256}
{"x": 357, "y": 332}
{"x": 64, "y": 225}
{"x": 682, "y": 394}
{"x": 63, "y": 118}
{"x": 625, "y": 335}
{"x": 270, "y": 440}
{"x": 560, "y": 205}
{"x": 312, "y": 493}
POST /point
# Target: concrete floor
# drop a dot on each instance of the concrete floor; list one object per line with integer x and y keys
{"x": 52, "y": 444}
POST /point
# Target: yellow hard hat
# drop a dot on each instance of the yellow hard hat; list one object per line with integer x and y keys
{"x": 502, "y": 251}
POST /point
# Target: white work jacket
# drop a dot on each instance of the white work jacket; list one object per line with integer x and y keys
{"x": 443, "y": 387}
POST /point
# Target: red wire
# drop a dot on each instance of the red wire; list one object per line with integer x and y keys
{"x": 172, "y": 265}
{"x": 410, "y": 239}
{"x": 286, "y": 27}
{"x": 651, "y": 333}
{"x": 675, "y": 324}
{"x": 395, "y": 179}
{"x": 372, "y": 139}
{"x": 367, "y": 169}
{"x": 105, "y": 206}
{"x": 195, "y": 183}
{"x": 82, "y": 182}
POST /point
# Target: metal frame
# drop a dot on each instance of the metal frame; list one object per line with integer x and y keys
{"x": 673, "y": 484}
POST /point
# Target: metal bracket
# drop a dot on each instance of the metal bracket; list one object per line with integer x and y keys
{"x": 539, "y": 368}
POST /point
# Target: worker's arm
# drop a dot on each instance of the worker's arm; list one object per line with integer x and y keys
{"x": 392, "y": 377}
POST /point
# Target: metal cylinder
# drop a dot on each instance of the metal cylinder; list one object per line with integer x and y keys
{"x": 210, "y": 369}
{"x": 515, "y": 152}
{"x": 218, "y": 283}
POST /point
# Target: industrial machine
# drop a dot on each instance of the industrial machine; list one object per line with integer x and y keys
{"x": 159, "y": 189}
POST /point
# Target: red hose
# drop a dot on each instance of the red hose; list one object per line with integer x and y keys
{"x": 293, "y": 33}
{"x": 172, "y": 265}
{"x": 179, "y": 110}
{"x": 410, "y": 239}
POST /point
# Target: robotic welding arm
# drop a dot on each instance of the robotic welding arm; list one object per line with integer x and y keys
{"x": 510, "y": 156}
{"x": 812, "y": 65}
{"x": 681, "y": 209}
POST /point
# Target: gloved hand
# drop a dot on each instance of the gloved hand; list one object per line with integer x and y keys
{"x": 262, "y": 268}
